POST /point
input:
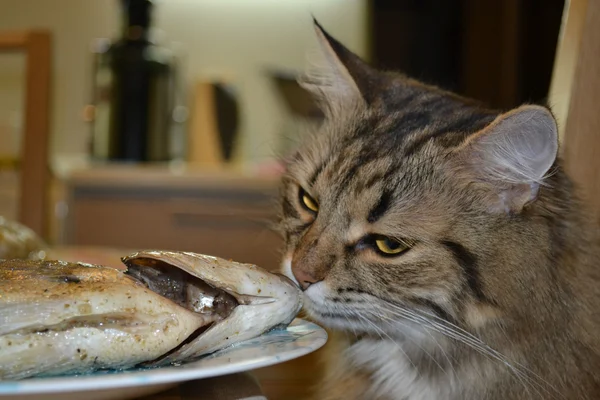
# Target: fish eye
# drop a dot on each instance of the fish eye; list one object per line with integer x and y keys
{"x": 388, "y": 246}
{"x": 307, "y": 201}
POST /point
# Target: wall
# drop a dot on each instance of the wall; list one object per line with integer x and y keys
{"x": 236, "y": 37}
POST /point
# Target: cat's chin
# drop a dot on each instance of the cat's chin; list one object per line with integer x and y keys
{"x": 336, "y": 322}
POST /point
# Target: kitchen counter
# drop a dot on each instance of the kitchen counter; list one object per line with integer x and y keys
{"x": 223, "y": 212}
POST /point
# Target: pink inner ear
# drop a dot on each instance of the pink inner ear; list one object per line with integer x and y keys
{"x": 513, "y": 156}
{"x": 518, "y": 147}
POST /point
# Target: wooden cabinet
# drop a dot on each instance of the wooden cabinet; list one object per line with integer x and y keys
{"x": 219, "y": 213}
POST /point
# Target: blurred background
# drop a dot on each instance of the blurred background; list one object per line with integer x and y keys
{"x": 159, "y": 102}
{"x": 128, "y": 124}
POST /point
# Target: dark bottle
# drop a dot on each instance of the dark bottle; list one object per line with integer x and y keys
{"x": 134, "y": 84}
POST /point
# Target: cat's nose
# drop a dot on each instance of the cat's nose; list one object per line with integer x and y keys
{"x": 305, "y": 278}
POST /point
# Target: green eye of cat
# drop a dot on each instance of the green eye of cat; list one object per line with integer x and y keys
{"x": 389, "y": 247}
{"x": 308, "y": 202}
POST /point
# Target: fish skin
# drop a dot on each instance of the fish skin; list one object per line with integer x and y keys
{"x": 98, "y": 317}
{"x": 266, "y": 300}
{"x": 133, "y": 320}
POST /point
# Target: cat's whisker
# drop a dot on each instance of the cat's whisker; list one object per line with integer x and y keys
{"x": 443, "y": 351}
{"x": 514, "y": 365}
{"x": 481, "y": 349}
{"x": 450, "y": 363}
{"x": 488, "y": 353}
{"x": 443, "y": 326}
{"x": 347, "y": 314}
{"x": 440, "y": 328}
{"x": 377, "y": 329}
{"x": 380, "y": 316}
{"x": 352, "y": 326}
{"x": 452, "y": 331}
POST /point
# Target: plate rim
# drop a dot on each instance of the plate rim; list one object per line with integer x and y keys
{"x": 158, "y": 376}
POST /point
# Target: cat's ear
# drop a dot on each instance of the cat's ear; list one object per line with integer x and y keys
{"x": 342, "y": 77}
{"x": 514, "y": 154}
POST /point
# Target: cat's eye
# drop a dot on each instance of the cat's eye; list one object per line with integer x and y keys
{"x": 389, "y": 247}
{"x": 307, "y": 201}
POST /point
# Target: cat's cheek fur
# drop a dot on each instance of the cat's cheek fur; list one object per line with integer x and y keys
{"x": 478, "y": 315}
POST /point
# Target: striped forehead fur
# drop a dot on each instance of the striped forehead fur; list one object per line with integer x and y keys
{"x": 364, "y": 139}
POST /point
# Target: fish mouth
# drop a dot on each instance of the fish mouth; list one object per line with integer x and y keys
{"x": 235, "y": 301}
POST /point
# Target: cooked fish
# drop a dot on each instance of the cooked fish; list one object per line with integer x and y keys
{"x": 60, "y": 318}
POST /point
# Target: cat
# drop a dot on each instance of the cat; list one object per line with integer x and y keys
{"x": 442, "y": 241}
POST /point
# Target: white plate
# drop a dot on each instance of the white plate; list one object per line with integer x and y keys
{"x": 300, "y": 338}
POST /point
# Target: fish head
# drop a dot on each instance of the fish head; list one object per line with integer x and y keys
{"x": 241, "y": 300}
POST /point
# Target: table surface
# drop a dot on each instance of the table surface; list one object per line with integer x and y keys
{"x": 228, "y": 387}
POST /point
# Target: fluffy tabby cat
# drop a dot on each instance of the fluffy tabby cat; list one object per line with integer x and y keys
{"x": 444, "y": 239}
